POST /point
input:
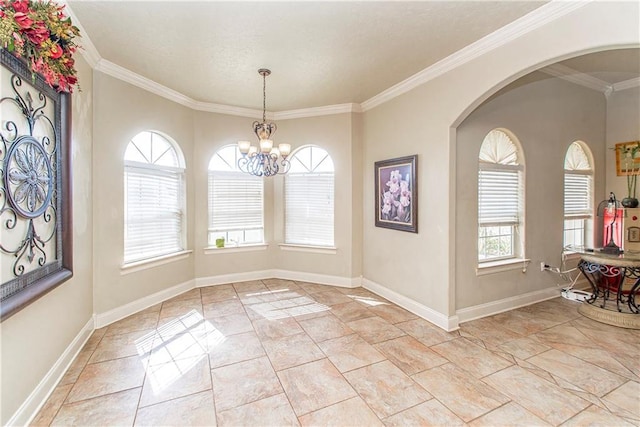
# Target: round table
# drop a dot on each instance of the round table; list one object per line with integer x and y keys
{"x": 615, "y": 284}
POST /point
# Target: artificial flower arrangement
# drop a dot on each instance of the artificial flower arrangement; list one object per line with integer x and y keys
{"x": 39, "y": 32}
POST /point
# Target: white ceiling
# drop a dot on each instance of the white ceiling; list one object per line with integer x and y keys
{"x": 320, "y": 53}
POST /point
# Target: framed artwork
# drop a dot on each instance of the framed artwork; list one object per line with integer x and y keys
{"x": 627, "y": 158}
{"x": 396, "y": 187}
{"x": 35, "y": 190}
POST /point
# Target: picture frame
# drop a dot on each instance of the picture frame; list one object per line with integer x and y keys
{"x": 396, "y": 187}
{"x": 630, "y": 166}
{"x": 36, "y": 252}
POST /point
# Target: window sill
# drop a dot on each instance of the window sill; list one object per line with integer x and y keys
{"x": 502, "y": 265}
{"x": 145, "y": 264}
{"x": 234, "y": 249}
{"x": 307, "y": 248}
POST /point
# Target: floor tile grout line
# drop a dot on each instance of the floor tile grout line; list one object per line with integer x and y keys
{"x": 111, "y": 393}
{"x": 486, "y": 344}
{"x": 59, "y": 407}
{"x": 494, "y": 409}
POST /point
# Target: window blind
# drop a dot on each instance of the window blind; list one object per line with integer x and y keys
{"x": 309, "y": 208}
{"x": 577, "y": 195}
{"x": 153, "y": 212}
{"x": 498, "y": 201}
{"x": 235, "y": 201}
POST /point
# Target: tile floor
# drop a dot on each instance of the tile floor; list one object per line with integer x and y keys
{"x": 282, "y": 353}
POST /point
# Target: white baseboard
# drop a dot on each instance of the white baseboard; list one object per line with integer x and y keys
{"x": 104, "y": 319}
{"x": 30, "y": 407}
{"x": 447, "y": 323}
{"x": 323, "y": 279}
{"x": 506, "y": 304}
{"x": 233, "y": 278}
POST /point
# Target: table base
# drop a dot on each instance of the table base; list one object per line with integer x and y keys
{"x": 610, "y": 317}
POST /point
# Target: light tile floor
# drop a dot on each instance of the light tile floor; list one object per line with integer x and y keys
{"x": 282, "y": 353}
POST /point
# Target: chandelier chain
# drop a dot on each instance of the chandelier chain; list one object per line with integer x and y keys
{"x": 264, "y": 97}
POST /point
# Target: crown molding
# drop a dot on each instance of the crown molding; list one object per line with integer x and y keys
{"x": 142, "y": 82}
{"x": 227, "y": 109}
{"x": 535, "y": 19}
{"x": 627, "y": 84}
{"x": 327, "y": 110}
{"x": 574, "y": 76}
{"x": 128, "y": 76}
{"x": 529, "y": 22}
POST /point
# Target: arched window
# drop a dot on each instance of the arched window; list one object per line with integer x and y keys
{"x": 500, "y": 198}
{"x": 154, "y": 197}
{"x": 578, "y": 196}
{"x": 308, "y": 198}
{"x": 235, "y": 201}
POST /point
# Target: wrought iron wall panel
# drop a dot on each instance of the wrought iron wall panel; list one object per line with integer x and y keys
{"x": 35, "y": 208}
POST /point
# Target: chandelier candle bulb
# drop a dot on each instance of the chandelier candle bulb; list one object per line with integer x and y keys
{"x": 244, "y": 146}
{"x": 285, "y": 149}
{"x": 266, "y": 145}
{"x": 275, "y": 152}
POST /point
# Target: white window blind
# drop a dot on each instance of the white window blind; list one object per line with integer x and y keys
{"x": 308, "y": 196}
{"x": 309, "y": 209}
{"x": 153, "y": 212}
{"x": 235, "y": 204}
{"x": 498, "y": 196}
{"x": 154, "y": 197}
{"x": 577, "y": 195}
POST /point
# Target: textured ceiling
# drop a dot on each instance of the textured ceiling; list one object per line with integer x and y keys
{"x": 613, "y": 66}
{"x": 320, "y": 53}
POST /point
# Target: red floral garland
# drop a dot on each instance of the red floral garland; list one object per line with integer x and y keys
{"x": 40, "y": 32}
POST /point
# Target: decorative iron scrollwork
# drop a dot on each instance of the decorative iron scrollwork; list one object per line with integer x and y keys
{"x": 28, "y": 172}
{"x": 33, "y": 181}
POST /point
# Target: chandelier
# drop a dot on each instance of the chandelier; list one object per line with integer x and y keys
{"x": 265, "y": 159}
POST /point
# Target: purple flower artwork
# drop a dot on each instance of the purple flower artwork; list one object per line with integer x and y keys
{"x": 396, "y": 205}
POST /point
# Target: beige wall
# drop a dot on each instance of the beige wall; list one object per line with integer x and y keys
{"x": 623, "y": 125}
{"x": 122, "y": 111}
{"x": 34, "y": 338}
{"x": 546, "y": 117}
{"x": 423, "y": 122}
{"x": 356, "y": 192}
